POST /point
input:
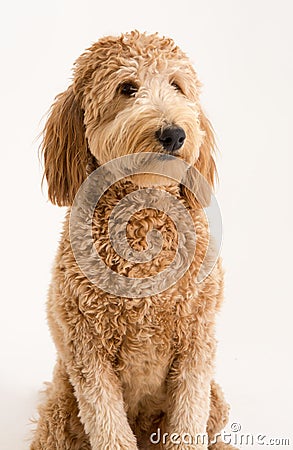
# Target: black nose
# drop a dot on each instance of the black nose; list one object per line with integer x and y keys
{"x": 171, "y": 138}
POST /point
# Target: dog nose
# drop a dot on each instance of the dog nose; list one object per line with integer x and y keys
{"x": 171, "y": 138}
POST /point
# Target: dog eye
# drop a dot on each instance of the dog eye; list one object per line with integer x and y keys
{"x": 176, "y": 86}
{"x": 128, "y": 89}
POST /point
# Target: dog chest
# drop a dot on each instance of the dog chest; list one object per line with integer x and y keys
{"x": 143, "y": 365}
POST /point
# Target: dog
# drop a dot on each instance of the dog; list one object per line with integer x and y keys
{"x": 133, "y": 371}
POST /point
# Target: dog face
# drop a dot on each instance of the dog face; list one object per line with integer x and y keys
{"x": 135, "y": 93}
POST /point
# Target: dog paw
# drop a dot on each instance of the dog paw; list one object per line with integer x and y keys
{"x": 222, "y": 446}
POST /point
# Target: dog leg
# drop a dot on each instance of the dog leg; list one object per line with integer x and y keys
{"x": 189, "y": 382}
{"x": 96, "y": 386}
{"x": 218, "y": 419}
{"x": 189, "y": 403}
{"x": 219, "y": 411}
{"x": 59, "y": 427}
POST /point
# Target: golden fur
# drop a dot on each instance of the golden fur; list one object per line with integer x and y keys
{"x": 127, "y": 366}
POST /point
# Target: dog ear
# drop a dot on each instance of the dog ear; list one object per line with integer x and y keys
{"x": 205, "y": 164}
{"x": 65, "y": 149}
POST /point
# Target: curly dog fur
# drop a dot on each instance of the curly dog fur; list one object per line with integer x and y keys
{"x": 129, "y": 366}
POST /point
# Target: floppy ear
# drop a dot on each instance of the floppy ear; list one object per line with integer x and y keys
{"x": 205, "y": 162}
{"x": 65, "y": 149}
{"x": 206, "y": 166}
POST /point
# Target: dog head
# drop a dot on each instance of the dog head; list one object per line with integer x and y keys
{"x": 135, "y": 93}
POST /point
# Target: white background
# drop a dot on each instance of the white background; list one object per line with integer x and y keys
{"x": 243, "y": 54}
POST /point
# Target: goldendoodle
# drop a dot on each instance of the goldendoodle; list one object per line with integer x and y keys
{"x": 134, "y": 371}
